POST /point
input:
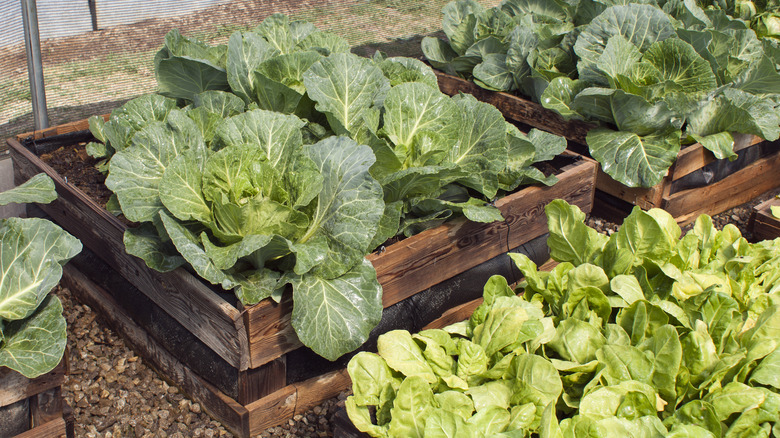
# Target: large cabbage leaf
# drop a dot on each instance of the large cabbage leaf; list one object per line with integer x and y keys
{"x": 32, "y": 253}
{"x": 185, "y": 68}
{"x": 425, "y": 142}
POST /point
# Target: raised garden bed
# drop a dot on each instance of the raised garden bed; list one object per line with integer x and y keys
{"x": 697, "y": 183}
{"x": 763, "y": 224}
{"x": 34, "y": 407}
{"x": 245, "y": 365}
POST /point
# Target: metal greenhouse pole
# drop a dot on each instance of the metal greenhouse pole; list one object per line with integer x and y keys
{"x": 32, "y": 45}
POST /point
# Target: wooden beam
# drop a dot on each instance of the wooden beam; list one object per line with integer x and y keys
{"x": 763, "y": 223}
{"x": 736, "y": 189}
{"x": 53, "y": 429}
{"x": 15, "y": 387}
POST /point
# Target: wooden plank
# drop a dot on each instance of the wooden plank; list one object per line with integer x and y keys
{"x": 696, "y": 156}
{"x": 738, "y": 188}
{"x": 763, "y": 223}
{"x": 256, "y": 383}
{"x": 233, "y": 415}
{"x": 65, "y": 128}
{"x": 426, "y": 259}
{"x": 213, "y": 320}
{"x": 517, "y": 109}
{"x": 46, "y": 406}
{"x": 645, "y": 198}
{"x": 295, "y": 399}
{"x": 15, "y": 387}
{"x": 53, "y": 429}
{"x": 269, "y": 330}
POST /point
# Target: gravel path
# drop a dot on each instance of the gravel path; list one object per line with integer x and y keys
{"x": 114, "y": 394}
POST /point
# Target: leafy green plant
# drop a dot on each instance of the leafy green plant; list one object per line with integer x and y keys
{"x": 32, "y": 252}
{"x": 654, "y": 76}
{"x": 642, "y": 333}
{"x": 305, "y": 161}
{"x": 436, "y": 155}
{"x": 258, "y": 210}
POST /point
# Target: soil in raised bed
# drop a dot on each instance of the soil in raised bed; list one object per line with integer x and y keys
{"x": 78, "y": 168}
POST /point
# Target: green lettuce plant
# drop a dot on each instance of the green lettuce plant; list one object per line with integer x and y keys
{"x": 32, "y": 253}
{"x": 653, "y": 75}
{"x": 642, "y": 333}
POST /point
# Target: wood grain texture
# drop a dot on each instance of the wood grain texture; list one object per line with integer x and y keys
{"x": 696, "y": 156}
{"x": 213, "y": 320}
{"x": 763, "y": 223}
{"x": 233, "y": 415}
{"x": 645, "y": 198}
{"x": 53, "y": 429}
{"x": 79, "y": 125}
{"x": 46, "y": 406}
{"x": 738, "y": 188}
{"x": 517, "y": 109}
{"x": 15, "y": 387}
{"x": 256, "y": 383}
{"x": 295, "y": 399}
{"x": 426, "y": 259}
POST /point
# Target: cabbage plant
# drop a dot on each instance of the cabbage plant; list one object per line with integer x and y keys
{"x": 296, "y": 161}
{"x": 258, "y": 210}
{"x": 642, "y": 333}
{"x": 653, "y": 75}
{"x": 436, "y": 155}
{"x": 32, "y": 252}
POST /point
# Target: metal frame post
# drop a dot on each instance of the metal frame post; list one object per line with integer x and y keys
{"x": 93, "y": 13}
{"x": 32, "y": 45}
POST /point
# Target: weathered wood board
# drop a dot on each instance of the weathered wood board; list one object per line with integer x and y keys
{"x": 763, "y": 223}
{"x": 32, "y": 407}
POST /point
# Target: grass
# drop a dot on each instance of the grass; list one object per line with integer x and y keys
{"x": 118, "y": 76}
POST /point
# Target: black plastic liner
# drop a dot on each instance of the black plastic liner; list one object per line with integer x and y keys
{"x": 720, "y": 169}
{"x": 420, "y": 309}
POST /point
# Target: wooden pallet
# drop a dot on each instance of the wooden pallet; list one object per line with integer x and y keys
{"x": 245, "y": 365}
{"x": 742, "y": 185}
{"x": 763, "y": 224}
{"x": 33, "y": 407}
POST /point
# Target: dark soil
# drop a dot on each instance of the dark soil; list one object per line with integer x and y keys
{"x": 78, "y": 168}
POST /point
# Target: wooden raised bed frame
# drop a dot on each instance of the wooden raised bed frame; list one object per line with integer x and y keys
{"x": 685, "y": 205}
{"x": 38, "y": 403}
{"x": 763, "y": 223}
{"x": 256, "y": 341}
